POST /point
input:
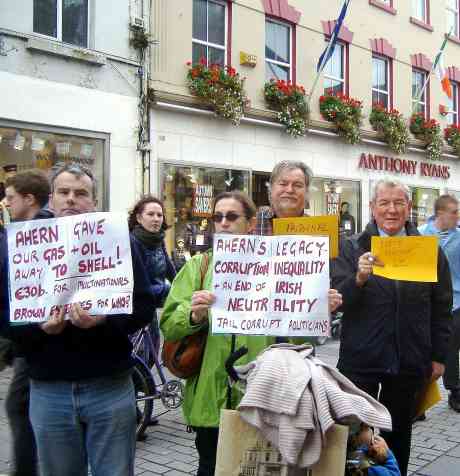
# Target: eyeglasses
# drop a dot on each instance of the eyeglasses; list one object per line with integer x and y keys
{"x": 230, "y": 216}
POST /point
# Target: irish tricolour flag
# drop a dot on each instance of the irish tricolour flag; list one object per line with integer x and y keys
{"x": 441, "y": 72}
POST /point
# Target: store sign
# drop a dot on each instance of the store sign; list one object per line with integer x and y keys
{"x": 403, "y": 166}
{"x": 202, "y": 200}
{"x": 84, "y": 259}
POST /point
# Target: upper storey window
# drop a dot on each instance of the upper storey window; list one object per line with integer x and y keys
{"x": 65, "y": 20}
{"x": 278, "y": 50}
{"x": 209, "y": 31}
{"x": 420, "y": 10}
{"x": 334, "y": 71}
{"x": 452, "y": 17}
{"x": 381, "y": 81}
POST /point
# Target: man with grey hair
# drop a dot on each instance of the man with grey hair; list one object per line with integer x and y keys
{"x": 394, "y": 333}
{"x": 289, "y": 182}
{"x": 82, "y": 402}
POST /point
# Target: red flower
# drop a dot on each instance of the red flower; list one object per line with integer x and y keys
{"x": 189, "y": 63}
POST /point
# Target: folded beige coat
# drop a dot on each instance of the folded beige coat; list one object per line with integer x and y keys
{"x": 293, "y": 398}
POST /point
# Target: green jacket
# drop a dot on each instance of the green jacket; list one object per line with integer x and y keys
{"x": 206, "y": 393}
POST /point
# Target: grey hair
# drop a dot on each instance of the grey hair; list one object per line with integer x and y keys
{"x": 78, "y": 171}
{"x": 391, "y": 183}
{"x": 280, "y": 167}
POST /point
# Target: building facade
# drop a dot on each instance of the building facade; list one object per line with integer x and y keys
{"x": 71, "y": 85}
{"x": 385, "y": 51}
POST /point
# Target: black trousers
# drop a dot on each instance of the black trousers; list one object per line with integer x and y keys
{"x": 398, "y": 395}
{"x": 451, "y": 376}
{"x": 206, "y": 445}
{"x": 17, "y": 410}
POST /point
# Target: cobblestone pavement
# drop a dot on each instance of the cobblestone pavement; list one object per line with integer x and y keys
{"x": 169, "y": 450}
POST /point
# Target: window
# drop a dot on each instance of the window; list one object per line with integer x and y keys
{"x": 452, "y": 17}
{"x": 65, "y": 20}
{"x": 420, "y": 11}
{"x": 452, "y": 117}
{"x": 277, "y": 50}
{"x": 334, "y": 72}
{"x": 209, "y": 31}
{"x": 381, "y": 81}
{"x": 418, "y": 81}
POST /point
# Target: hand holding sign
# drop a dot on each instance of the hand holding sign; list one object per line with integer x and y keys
{"x": 366, "y": 263}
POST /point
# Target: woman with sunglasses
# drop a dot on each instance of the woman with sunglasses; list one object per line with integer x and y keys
{"x": 186, "y": 312}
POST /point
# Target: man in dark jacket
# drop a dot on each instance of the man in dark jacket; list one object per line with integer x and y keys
{"x": 82, "y": 402}
{"x": 394, "y": 333}
{"x": 26, "y": 194}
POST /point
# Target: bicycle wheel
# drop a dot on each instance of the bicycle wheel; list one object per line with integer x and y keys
{"x": 144, "y": 386}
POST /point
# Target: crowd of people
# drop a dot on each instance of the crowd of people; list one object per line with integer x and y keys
{"x": 71, "y": 401}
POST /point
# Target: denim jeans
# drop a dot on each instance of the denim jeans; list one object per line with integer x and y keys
{"x": 17, "y": 410}
{"x": 90, "y": 421}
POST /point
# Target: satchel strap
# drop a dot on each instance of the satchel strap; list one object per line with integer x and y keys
{"x": 204, "y": 268}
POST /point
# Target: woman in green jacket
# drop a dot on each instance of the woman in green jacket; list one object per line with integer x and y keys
{"x": 186, "y": 312}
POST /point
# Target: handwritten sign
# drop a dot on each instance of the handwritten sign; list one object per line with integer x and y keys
{"x": 271, "y": 285}
{"x": 327, "y": 225}
{"x": 83, "y": 259}
{"x": 406, "y": 258}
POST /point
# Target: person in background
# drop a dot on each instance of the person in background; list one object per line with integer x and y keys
{"x": 187, "y": 311}
{"x": 82, "y": 401}
{"x": 26, "y": 195}
{"x": 347, "y": 220}
{"x": 444, "y": 225}
{"x": 394, "y": 333}
{"x": 147, "y": 225}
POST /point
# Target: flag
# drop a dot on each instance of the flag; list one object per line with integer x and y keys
{"x": 441, "y": 71}
{"x": 329, "y": 51}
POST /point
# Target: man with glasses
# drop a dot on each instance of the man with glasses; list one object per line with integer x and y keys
{"x": 82, "y": 403}
{"x": 394, "y": 333}
{"x": 444, "y": 225}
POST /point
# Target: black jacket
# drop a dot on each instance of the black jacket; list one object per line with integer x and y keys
{"x": 77, "y": 354}
{"x": 390, "y": 327}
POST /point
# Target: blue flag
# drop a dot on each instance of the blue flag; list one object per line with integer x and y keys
{"x": 332, "y": 42}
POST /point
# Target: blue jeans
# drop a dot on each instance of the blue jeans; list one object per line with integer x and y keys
{"x": 90, "y": 421}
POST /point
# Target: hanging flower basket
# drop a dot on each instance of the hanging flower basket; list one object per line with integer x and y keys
{"x": 392, "y": 126}
{"x": 345, "y": 113}
{"x": 222, "y": 88}
{"x": 428, "y": 132}
{"x": 289, "y": 100}
{"x": 452, "y": 137}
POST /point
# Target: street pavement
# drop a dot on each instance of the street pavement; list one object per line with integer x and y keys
{"x": 169, "y": 450}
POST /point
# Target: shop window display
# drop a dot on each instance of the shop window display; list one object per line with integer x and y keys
{"x": 422, "y": 204}
{"x": 188, "y": 193}
{"x": 22, "y": 149}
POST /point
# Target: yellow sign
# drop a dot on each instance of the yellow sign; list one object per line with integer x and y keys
{"x": 428, "y": 397}
{"x": 406, "y": 258}
{"x": 327, "y": 225}
{"x": 247, "y": 59}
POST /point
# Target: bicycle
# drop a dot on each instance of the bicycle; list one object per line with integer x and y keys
{"x": 147, "y": 372}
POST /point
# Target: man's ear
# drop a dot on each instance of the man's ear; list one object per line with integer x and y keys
{"x": 252, "y": 224}
{"x": 30, "y": 200}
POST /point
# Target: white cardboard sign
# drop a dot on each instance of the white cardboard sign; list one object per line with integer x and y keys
{"x": 271, "y": 285}
{"x": 83, "y": 259}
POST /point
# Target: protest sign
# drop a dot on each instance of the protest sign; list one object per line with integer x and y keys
{"x": 83, "y": 259}
{"x": 327, "y": 225}
{"x": 406, "y": 258}
{"x": 271, "y": 285}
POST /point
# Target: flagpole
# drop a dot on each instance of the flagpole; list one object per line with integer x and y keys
{"x": 435, "y": 63}
{"x": 325, "y": 59}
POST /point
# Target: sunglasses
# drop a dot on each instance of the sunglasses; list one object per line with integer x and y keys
{"x": 230, "y": 216}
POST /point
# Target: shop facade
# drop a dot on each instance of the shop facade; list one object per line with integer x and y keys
{"x": 197, "y": 156}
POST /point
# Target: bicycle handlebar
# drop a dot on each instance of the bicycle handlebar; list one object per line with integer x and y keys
{"x": 231, "y": 361}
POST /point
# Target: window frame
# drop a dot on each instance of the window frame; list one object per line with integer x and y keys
{"x": 456, "y": 12}
{"x": 389, "y": 69}
{"x": 345, "y": 61}
{"x": 58, "y": 36}
{"x": 292, "y": 48}
{"x": 227, "y": 31}
{"x": 426, "y": 18}
{"x": 455, "y": 103}
{"x": 426, "y": 103}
